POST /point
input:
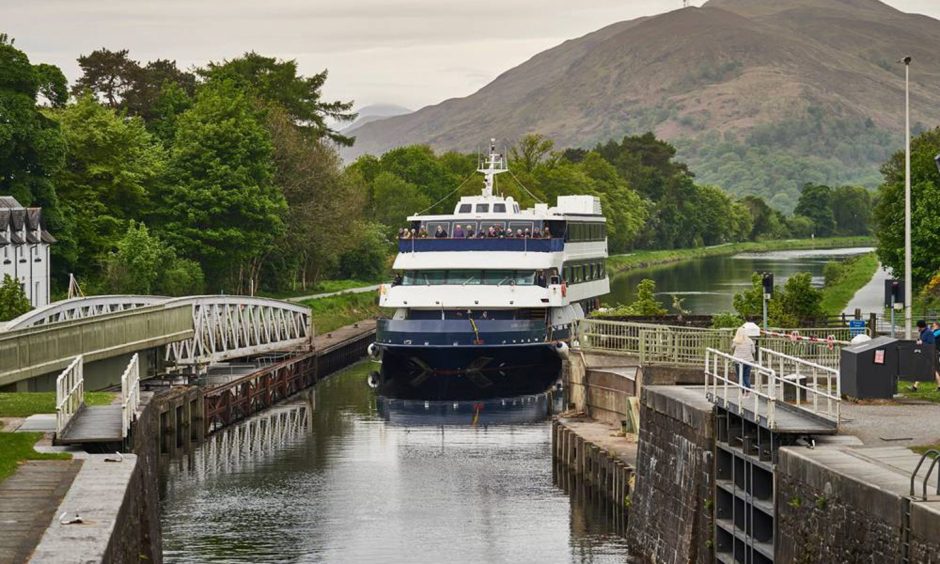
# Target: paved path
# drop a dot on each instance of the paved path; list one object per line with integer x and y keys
{"x": 359, "y": 290}
{"x": 892, "y": 424}
{"x": 28, "y": 502}
{"x": 871, "y": 296}
{"x": 606, "y": 436}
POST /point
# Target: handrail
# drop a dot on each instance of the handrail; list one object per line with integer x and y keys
{"x": 825, "y": 382}
{"x": 764, "y": 378}
{"x": 69, "y": 393}
{"x": 130, "y": 394}
{"x": 936, "y": 454}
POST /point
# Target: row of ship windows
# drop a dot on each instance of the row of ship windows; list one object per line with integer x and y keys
{"x": 580, "y": 232}
{"x": 485, "y": 208}
{"x": 469, "y": 277}
{"x": 574, "y": 232}
{"x": 584, "y": 272}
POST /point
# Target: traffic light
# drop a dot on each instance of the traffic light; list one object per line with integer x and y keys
{"x": 767, "y": 279}
{"x": 894, "y": 292}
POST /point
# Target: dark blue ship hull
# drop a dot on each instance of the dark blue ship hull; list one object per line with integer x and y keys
{"x": 452, "y": 360}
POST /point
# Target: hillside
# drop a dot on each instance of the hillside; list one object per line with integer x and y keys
{"x": 374, "y": 112}
{"x": 759, "y": 96}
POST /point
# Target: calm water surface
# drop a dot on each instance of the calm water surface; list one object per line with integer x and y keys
{"x": 337, "y": 479}
{"x": 708, "y": 285}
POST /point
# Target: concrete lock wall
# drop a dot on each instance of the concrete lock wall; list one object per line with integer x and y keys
{"x": 823, "y": 514}
{"x": 670, "y": 511}
{"x": 599, "y": 385}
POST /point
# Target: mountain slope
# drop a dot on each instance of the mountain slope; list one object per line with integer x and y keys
{"x": 759, "y": 95}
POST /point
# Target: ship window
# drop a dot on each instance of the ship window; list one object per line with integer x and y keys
{"x": 523, "y": 225}
{"x": 432, "y": 227}
{"x": 485, "y": 225}
{"x": 425, "y": 278}
{"x": 497, "y": 277}
{"x": 483, "y": 208}
{"x": 499, "y": 208}
{"x": 515, "y": 208}
{"x": 525, "y": 277}
{"x": 466, "y": 208}
{"x": 469, "y": 277}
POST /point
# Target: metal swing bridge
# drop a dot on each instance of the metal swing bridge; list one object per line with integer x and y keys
{"x": 194, "y": 332}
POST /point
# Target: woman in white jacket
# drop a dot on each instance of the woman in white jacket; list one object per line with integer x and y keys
{"x": 742, "y": 348}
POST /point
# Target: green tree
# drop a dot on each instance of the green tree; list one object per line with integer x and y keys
{"x": 394, "y": 200}
{"x": 925, "y": 217}
{"x": 220, "y": 206}
{"x": 532, "y": 151}
{"x": 113, "y": 167}
{"x": 646, "y": 303}
{"x": 13, "y": 300}
{"x": 852, "y": 210}
{"x": 107, "y": 75}
{"x": 367, "y": 257}
{"x": 143, "y": 264}
{"x": 278, "y": 82}
{"x": 750, "y": 303}
{"x": 816, "y": 204}
{"x": 798, "y": 302}
{"x": 53, "y": 85}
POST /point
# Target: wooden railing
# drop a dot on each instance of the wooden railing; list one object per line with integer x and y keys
{"x": 69, "y": 394}
{"x": 130, "y": 394}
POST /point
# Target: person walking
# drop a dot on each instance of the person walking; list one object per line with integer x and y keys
{"x": 926, "y": 334}
{"x": 742, "y": 348}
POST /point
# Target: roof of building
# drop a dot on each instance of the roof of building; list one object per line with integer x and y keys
{"x": 15, "y": 218}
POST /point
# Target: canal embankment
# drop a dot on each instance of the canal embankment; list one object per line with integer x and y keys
{"x": 106, "y": 507}
{"x": 645, "y": 259}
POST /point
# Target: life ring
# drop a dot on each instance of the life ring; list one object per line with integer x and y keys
{"x": 564, "y": 289}
{"x": 794, "y": 336}
{"x": 831, "y": 342}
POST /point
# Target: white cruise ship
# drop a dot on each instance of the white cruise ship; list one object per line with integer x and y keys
{"x": 476, "y": 313}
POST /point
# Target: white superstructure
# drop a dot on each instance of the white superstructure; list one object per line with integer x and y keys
{"x": 24, "y": 249}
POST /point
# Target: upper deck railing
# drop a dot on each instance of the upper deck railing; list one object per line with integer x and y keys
{"x": 525, "y": 244}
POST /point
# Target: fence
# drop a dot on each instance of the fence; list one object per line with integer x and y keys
{"x": 69, "y": 394}
{"x": 685, "y": 346}
{"x": 797, "y": 384}
{"x": 130, "y": 394}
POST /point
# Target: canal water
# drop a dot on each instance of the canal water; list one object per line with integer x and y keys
{"x": 708, "y": 285}
{"x": 344, "y": 477}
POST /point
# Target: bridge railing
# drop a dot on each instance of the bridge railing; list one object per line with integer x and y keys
{"x": 685, "y": 346}
{"x": 809, "y": 386}
{"x": 652, "y": 343}
{"x": 723, "y": 386}
{"x": 69, "y": 394}
{"x": 130, "y": 394}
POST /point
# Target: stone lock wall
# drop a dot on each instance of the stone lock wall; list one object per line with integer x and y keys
{"x": 670, "y": 508}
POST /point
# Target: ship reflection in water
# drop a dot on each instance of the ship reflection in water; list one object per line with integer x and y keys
{"x": 504, "y": 411}
{"x": 342, "y": 476}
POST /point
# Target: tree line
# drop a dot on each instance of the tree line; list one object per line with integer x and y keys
{"x": 227, "y": 178}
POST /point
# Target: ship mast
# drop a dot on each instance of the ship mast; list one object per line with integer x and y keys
{"x": 493, "y": 164}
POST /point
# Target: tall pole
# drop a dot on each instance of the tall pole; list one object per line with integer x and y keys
{"x": 908, "y": 310}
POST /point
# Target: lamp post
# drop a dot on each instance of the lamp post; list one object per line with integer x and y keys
{"x": 908, "y": 310}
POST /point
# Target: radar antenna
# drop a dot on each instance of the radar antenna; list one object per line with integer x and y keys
{"x": 493, "y": 164}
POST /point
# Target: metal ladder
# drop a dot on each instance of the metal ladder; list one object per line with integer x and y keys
{"x": 905, "y": 544}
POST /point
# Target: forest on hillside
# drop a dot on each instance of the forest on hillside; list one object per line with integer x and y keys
{"x": 227, "y": 178}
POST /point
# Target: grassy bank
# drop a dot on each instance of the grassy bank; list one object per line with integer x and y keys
{"x": 321, "y": 287}
{"x": 345, "y": 309}
{"x": 17, "y": 447}
{"x": 24, "y": 404}
{"x": 926, "y": 391}
{"x": 855, "y": 273}
{"x": 643, "y": 259}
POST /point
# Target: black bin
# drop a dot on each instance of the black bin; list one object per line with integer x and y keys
{"x": 916, "y": 363}
{"x": 869, "y": 370}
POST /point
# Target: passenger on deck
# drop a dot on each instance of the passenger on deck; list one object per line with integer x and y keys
{"x": 491, "y": 232}
{"x": 397, "y": 280}
{"x": 405, "y": 233}
{"x": 423, "y": 233}
{"x": 439, "y": 233}
{"x": 536, "y": 233}
{"x": 510, "y": 234}
{"x": 540, "y": 279}
{"x": 470, "y": 232}
{"x": 519, "y": 234}
{"x": 458, "y": 232}
{"x": 546, "y": 234}
{"x": 528, "y": 233}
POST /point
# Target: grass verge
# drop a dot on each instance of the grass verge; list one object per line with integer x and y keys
{"x": 345, "y": 309}
{"x": 24, "y": 404}
{"x": 321, "y": 287}
{"x": 643, "y": 259}
{"x": 926, "y": 391}
{"x": 855, "y": 273}
{"x": 16, "y": 447}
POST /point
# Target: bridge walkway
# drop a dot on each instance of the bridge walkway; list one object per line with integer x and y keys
{"x": 94, "y": 424}
{"x": 787, "y": 419}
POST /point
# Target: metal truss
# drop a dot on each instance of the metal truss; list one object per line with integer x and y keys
{"x": 79, "y": 308}
{"x": 226, "y": 327}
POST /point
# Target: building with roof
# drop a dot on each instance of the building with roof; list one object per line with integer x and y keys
{"x": 24, "y": 249}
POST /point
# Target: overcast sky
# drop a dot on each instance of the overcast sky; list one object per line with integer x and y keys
{"x": 407, "y": 52}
